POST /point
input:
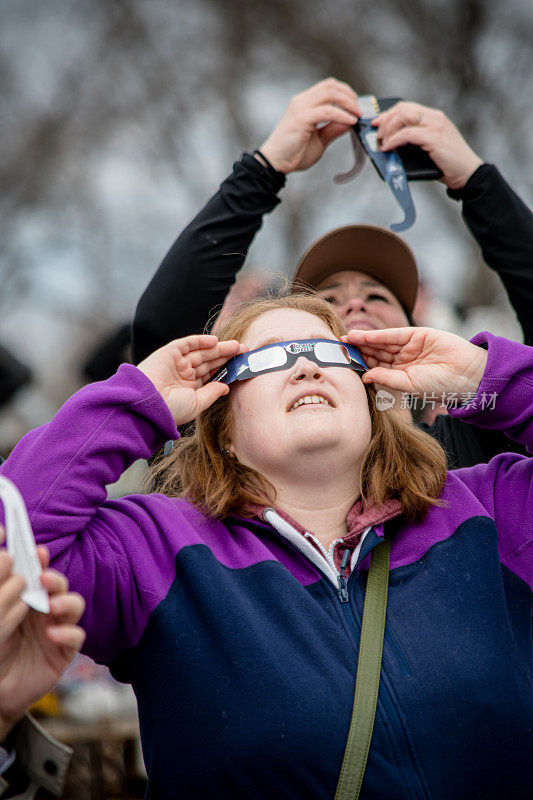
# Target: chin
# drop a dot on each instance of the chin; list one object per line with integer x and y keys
{"x": 319, "y": 439}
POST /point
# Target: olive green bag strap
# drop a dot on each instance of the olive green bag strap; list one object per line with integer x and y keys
{"x": 368, "y": 675}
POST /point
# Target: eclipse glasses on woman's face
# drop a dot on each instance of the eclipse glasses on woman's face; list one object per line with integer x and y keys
{"x": 283, "y": 355}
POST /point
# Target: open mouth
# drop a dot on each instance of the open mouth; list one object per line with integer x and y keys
{"x": 310, "y": 400}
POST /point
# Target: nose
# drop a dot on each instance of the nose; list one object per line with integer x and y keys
{"x": 354, "y": 303}
{"x": 304, "y": 368}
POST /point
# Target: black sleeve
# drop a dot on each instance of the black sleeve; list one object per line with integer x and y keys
{"x": 199, "y": 269}
{"x": 13, "y": 375}
{"x": 109, "y": 354}
{"x": 465, "y": 445}
{"x": 502, "y": 225}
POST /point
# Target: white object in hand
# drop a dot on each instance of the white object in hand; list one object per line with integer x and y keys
{"x": 21, "y": 546}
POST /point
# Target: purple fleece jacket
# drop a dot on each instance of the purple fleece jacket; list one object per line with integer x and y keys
{"x": 120, "y": 554}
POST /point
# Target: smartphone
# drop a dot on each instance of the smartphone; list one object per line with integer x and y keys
{"x": 417, "y": 163}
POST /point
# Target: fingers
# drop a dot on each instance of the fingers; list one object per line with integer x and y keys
{"x": 198, "y": 362}
{"x": 6, "y": 565}
{"x": 390, "y": 346}
{"x": 10, "y": 591}
{"x": 390, "y": 378}
{"x": 12, "y": 609}
{"x": 44, "y": 556}
{"x": 410, "y": 123}
{"x": 189, "y": 344}
{"x": 405, "y": 113}
{"x": 210, "y": 367}
{"x": 54, "y": 582}
{"x": 203, "y": 345}
{"x": 6, "y": 562}
{"x": 328, "y": 133}
{"x": 327, "y": 101}
{"x": 208, "y": 394}
{"x": 388, "y": 338}
{"x": 297, "y": 142}
{"x": 204, "y": 363}
{"x": 66, "y": 608}
{"x": 412, "y": 135}
{"x": 434, "y": 132}
{"x": 371, "y": 361}
{"x": 71, "y": 637}
{"x": 330, "y": 91}
{"x": 12, "y": 617}
{"x": 220, "y": 351}
{"x": 331, "y": 113}
{"x": 379, "y": 355}
{"x": 340, "y": 86}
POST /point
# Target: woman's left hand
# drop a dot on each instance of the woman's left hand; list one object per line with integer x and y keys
{"x": 418, "y": 360}
{"x": 430, "y": 129}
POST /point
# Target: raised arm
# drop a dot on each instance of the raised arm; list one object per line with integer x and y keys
{"x": 200, "y": 268}
{"x": 113, "y": 551}
{"x": 504, "y": 401}
{"x": 62, "y": 469}
{"x": 498, "y": 219}
{"x": 502, "y": 225}
{"x": 498, "y": 375}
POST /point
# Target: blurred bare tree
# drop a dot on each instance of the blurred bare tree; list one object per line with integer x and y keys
{"x": 121, "y": 116}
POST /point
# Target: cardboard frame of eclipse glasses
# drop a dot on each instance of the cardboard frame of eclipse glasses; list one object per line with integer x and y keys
{"x": 397, "y": 167}
{"x": 283, "y": 355}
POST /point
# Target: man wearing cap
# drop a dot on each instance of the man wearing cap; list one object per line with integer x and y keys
{"x": 367, "y": 272}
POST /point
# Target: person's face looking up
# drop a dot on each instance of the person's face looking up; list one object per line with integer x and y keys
{"x": 270, "y": 433}
{"x": 362, "y": 301}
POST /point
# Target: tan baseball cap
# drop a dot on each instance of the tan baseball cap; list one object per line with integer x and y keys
{"x": 366, "y": 248}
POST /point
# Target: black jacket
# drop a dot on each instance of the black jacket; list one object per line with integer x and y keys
{"x": 203, "y": 262}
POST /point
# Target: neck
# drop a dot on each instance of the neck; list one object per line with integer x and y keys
{"x": 319, "y": 497}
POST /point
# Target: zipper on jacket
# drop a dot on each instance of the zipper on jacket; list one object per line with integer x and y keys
{"x": 343, "y": 590}
{"x": 328, "y": 554}
{"x": 352, "y": 620}
{"x": 304, "y": 546}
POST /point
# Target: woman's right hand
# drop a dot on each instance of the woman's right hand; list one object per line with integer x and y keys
{"x": 300, "y": 137}
{"x": 180, "y": 371}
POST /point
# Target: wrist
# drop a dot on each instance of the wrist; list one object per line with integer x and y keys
{"x": 476, "y": 368}
{"x": 259, "y": 156}
{"x": 458, "y": 181}
{"x": 272, "y": 158}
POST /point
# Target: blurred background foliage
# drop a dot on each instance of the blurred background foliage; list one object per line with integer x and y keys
{"x": 121, "y": 117}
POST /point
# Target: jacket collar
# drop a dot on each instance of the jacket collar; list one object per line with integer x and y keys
{"x": 360, "y": 517}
